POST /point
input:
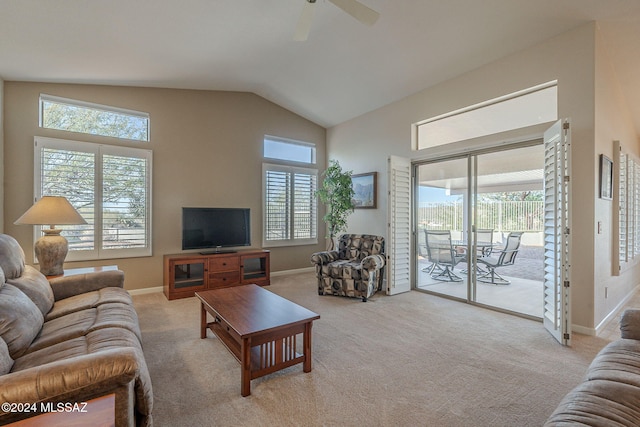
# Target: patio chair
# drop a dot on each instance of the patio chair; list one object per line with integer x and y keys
{"x": 442, "y": 255}
{"x": 506, "y": 257}
{"x": 484, "y": 238}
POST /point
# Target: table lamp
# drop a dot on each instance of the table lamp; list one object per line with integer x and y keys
{"x": 51, "y": 249}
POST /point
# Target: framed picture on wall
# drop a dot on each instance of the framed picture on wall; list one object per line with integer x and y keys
{"x": 365, "y": 188}
{"x": 606, "y": 177}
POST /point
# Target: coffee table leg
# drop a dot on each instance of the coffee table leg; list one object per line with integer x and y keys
{"x": 245, "y": 362}
{"x": 203, "y": 321}
{"x": 307, "y": 347}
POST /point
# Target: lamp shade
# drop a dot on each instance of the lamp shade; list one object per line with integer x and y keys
{"x": 50, "y": 210}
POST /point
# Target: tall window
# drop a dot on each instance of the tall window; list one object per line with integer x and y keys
{"x": 290, "y": 210}
{"x": 627, "y": 196}
{"x": 94, "y": 119}
{"x": 111, "y": 188}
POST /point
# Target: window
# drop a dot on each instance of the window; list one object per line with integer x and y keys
{"x": 289, "y": 150}
{"x": 517, "y": 110}
{"x": 94, "y": 119}
{"x": 290, "y": 209}
{"x": 627, "y": 198}
{"x": 111, "y": 188}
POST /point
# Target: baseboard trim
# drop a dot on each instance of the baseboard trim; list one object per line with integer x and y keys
{"x": 616, "y": 311}
{"x": 146, "y": 290}
{"x": 295, "y": 271}
{"x": 582, "y": 330}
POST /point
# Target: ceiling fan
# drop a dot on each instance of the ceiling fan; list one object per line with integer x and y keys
{"x": 354, "y": 8}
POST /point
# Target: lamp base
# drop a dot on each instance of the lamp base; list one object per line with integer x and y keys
{"x": 51, "y": 250}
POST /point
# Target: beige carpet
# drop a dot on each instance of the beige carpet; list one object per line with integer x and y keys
{"x": 408, "y": 360}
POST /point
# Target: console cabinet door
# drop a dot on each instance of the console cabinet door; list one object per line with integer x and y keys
{"x": 186, "y": 276}
{"x": 255, "y": 268}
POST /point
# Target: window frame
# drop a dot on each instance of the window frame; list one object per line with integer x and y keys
{"x": 92, "y": 106}
{"x": 626, "y": 199}
{"x": 423, "y": 140}
{"x": 99, "y": 151}
{"x": 292, "y": 168}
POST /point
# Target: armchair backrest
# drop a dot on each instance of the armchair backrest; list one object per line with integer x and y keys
{"x": 359, "y": 246}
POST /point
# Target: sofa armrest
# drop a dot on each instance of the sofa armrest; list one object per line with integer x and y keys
{"x": 65, "y": 287}
{"x": 324, "y": 257}
{"x": 114, "y": 367}
{"x": 373, "y": 262}
{"x": 630, "y": 324}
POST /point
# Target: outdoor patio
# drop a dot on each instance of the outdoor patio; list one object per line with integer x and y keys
{"x": 523, "y": 295}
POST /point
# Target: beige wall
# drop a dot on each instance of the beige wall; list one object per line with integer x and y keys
{"x": 207, "y": 151}
{"x": 364, "y": 143}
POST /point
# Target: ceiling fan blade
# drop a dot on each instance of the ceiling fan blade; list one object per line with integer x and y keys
{"x": 304, "y": 23}
{"x": 359, "y": 11}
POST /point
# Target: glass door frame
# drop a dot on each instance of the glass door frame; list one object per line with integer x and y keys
{"x": 469, "y": 218}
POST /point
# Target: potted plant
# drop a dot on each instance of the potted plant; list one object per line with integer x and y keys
{"x": 337, "y": 194}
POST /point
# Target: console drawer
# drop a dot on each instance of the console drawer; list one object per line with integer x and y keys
{"x": 224, "y": 279}
{"x": 224, "y": 264}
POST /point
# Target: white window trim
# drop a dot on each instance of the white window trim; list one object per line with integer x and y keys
{"x": 98, "y": 252}
{"x": 415, "y": 128}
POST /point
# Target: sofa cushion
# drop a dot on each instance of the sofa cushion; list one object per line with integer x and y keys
{"x": 598, "y": 403}
{"x": 88, "y": 300}
{"x": 618, "y": 361}
{"x": 36, "y": 286}
{"x": 6, "y": 362}
{"x": 20, "y": 320}
{"x": 80, "y": 323}
{"x": 630, "y": 324}
{"x": 11, "y": 257}
{"x": 92, "y": 342}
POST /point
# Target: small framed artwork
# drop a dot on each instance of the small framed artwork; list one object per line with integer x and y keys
{"x": 365, "y": 188}
{"x": 606, "y": 177}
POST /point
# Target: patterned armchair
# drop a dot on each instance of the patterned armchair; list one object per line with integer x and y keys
{"x": 354, "y": 270}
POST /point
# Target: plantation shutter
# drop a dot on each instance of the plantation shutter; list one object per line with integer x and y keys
{"x": 110, "y": 186}
{"x": 71, "y": 174}
{"x": 398, "y": 247}
{"x": 626, "y": 197}
{"x": 277, "y": 205}
{"x": 557, "y": 262}
{"x": 304, "y": 206}
{"x": 125, "y": 201}
{"x": 290, "y": 212}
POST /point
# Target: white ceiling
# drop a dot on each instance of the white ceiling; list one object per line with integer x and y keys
{"x": 343, "y": 70}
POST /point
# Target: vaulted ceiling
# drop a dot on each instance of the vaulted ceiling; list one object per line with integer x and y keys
{"x": 343, "y": 69}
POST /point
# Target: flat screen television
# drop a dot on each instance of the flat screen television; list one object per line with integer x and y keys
{"x": 215, "y": 229}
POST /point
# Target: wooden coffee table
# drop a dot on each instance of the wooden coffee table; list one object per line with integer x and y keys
{"x": 259, "y": 328}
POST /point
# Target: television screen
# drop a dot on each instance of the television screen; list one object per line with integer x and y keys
{"x": 214, "y": 228}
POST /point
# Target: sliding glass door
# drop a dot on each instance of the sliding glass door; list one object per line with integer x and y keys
{"x": 479, "y": 228}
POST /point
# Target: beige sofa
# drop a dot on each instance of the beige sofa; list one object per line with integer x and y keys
{"x": 609, "y": 394}
{"x": 69, "y": 340}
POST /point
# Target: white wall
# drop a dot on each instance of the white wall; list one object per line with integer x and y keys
{"x": 364, "y": 143}
{"x": 612, "y": 122}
